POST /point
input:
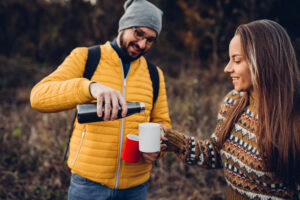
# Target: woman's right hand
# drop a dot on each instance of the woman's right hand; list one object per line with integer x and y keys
{"x": 174, "y": 140}
{"x": 163, "y": 139}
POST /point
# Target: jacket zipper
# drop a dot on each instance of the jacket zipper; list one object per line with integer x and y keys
{"x": 122, "y": 129}
{"x": 78, "y": 149}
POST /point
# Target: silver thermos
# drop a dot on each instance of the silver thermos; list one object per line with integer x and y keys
{"x": 87, "y": 113}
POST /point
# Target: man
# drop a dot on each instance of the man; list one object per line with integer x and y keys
{"x": 122, "y": 75}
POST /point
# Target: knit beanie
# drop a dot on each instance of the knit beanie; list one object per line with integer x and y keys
{"x": 141, "y": 13}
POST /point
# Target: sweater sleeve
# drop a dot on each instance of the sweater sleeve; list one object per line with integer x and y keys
{"x": 160, "y": 112}
{"x": 65, "y": 87}
{"x": 204, "y": 153}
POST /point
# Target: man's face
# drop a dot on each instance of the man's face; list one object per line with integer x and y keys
{"x": 136, "y": 41}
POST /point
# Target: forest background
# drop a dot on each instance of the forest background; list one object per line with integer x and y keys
{"x": 192, "y": 50}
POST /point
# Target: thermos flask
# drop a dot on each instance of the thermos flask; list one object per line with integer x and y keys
{"x": 87, "y": 113}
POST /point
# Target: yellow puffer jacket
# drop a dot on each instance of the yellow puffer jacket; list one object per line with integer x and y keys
{"x": 95, "y": 148}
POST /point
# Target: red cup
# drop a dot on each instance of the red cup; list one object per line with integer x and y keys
{"x": 131, "y": 151}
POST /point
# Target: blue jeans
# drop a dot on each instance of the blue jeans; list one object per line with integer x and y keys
{"x": 84, "y": 189}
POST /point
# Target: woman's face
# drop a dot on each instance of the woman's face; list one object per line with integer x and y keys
{"x": 238, "y": 67}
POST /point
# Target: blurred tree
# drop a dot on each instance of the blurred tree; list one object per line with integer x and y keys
{"x": 194, "y": 32}
{"x": 47, "y": 30}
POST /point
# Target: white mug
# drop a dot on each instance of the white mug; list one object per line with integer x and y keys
{"x": 149, "y": 137}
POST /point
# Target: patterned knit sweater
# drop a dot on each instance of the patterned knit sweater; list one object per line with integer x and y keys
{"x": 244, "y": 168}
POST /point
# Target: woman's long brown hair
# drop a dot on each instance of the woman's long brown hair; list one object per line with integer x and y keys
{"x": 276, "y": 82}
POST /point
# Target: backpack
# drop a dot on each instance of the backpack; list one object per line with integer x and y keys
{"x": 94, "y": 55}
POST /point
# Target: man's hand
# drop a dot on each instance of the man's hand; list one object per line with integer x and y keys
{"x": 111, "y": 97}
{"x": 149, "y": 157}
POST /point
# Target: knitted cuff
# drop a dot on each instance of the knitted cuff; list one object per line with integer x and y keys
{"x": 193, "y": 151}
{"x": 176, "y": 141}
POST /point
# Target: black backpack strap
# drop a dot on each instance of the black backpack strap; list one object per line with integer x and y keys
{"x": 94, "y": 55}
{"x": 155, "y": 80}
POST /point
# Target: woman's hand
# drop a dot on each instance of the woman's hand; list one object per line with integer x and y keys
{"x": 163, "y": 139}
{"x": 174, "y": 140}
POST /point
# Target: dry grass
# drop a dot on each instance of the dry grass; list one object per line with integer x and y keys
{"x": 32, "y": 144}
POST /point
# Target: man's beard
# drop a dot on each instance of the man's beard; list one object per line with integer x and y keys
{"x": 124, "y": 49}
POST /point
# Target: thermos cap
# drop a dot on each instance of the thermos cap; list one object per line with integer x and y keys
{"x": 142, "y": 105}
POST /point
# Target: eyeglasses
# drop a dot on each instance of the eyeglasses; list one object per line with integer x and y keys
{"x": 140, "y": 35}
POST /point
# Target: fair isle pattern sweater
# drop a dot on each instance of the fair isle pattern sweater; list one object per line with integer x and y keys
{"x": 244, "y": 168}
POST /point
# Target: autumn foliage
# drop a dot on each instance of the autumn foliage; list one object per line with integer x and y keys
{"x": 35, "y": 37}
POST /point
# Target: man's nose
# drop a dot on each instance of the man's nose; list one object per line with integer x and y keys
{"x": 142, "y": 43}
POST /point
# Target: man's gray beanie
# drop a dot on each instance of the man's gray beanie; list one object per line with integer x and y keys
{"x": 141, "y": 13}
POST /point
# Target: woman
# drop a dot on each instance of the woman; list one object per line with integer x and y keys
{"x": 257, "y": 139}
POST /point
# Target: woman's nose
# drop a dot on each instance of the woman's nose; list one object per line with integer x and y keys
{"x": 228, "y": 68}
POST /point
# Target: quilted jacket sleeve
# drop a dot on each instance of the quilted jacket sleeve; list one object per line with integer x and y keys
{"x": 160, "y": 112}
{"x": 65, "y": 87}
